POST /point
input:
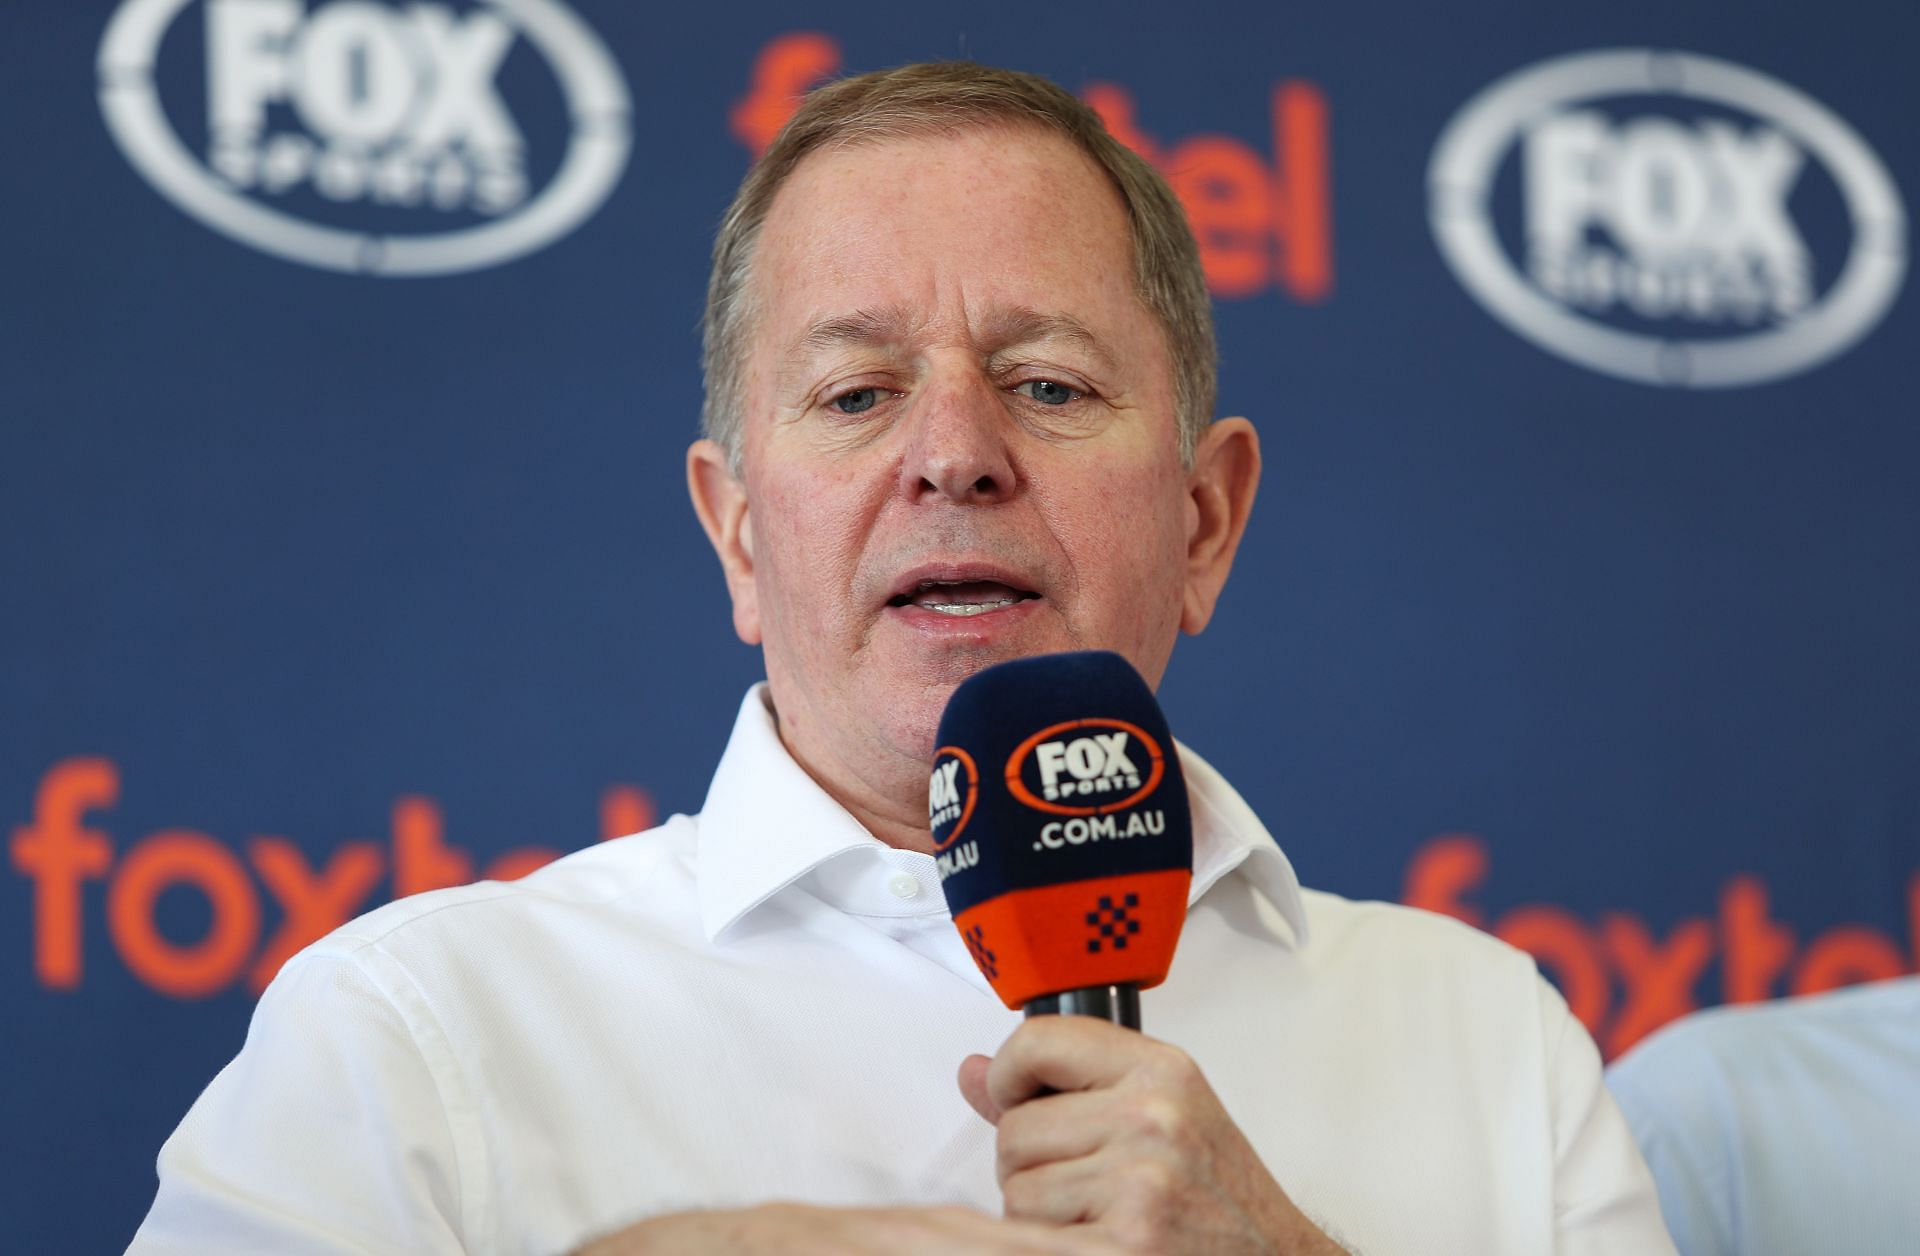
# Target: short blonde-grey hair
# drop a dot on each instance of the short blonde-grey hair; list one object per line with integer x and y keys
{"x": 943, "y": 98}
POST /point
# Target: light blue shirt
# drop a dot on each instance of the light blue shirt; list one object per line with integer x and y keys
{"x": 1789, "y": 1127}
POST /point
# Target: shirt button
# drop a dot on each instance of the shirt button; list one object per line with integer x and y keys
{"x": 903, "y": 886}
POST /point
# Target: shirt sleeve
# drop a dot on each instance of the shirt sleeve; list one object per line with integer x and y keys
{"x": 1668, "y": 1099}
{"x": 1604, "y": 1199}
{"x": 328, "y": 1133}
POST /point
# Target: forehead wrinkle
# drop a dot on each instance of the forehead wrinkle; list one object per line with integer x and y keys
{"x": 889, "y": 325}
{"x": 999, "y": 331}
{"x": 1007, "y": 329}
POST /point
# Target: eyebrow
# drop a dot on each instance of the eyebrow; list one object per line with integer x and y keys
{"x": 1003, "y": 331}
{"x": 883, "y": 326}
{"x": 1022, "y": 326}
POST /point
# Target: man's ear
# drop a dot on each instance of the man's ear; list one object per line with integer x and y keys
{"x": 1220, "y": 492}
{"x": 721, "y": 502}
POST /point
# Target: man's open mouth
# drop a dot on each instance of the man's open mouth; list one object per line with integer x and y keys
{"x": 962, "y": 597}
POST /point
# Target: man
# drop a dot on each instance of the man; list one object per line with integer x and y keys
{"x": 960, "y": 372}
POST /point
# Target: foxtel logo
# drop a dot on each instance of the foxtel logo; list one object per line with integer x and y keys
{"x": 1624, "y": 977}
{"x": 61, "y": 855}
{"x": 1260, "y": 222}
{"x": 1107, "y": 757}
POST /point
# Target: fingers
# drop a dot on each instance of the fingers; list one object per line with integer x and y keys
{"x": 1105, "y": 1132}
{"x": 1056, "y": 1193}
{"x": 1057, "y": 1127}
{"x": 1072, "y": 1159}
{"x": 1068, "y": 1053}
{"x": 1120, "y": 1195}
{"x": 973, "y": 1087}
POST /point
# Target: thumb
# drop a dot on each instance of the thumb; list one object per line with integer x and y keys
{"x": 973, "y": 1086}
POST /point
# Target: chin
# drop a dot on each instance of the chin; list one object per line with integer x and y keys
{"x": 912, "y": 728}
{"x": 912, "y": 721}
{"x": 910, "y": 709}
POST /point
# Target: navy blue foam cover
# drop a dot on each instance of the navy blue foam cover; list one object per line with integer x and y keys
{"x": 1061, "y": 824}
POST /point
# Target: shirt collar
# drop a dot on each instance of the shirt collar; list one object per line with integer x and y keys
{"x": 766, "y": 825}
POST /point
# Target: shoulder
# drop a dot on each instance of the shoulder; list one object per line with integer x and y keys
{"x": 1832, "y": 1039}
{"x": 1368, "y": 932}
{"x": 1439, "y": 981}
{"x": 638, "y": 877}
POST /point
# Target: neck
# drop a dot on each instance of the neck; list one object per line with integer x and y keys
{"x": 891, "y": 803}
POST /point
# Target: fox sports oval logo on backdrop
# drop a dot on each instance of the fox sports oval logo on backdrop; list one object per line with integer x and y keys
{"x": 379, "y": 138}
{"x": 1680, "y": 220}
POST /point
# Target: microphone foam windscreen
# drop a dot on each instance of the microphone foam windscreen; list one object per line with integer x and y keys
{"x": 1061, "y": 825}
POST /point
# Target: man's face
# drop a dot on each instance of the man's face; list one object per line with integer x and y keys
{"x": 959, "y": 440}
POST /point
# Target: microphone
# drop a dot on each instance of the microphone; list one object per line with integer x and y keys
{"x": 1062, "y": 831}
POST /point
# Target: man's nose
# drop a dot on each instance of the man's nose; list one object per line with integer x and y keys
{"x": 957, "y": 445}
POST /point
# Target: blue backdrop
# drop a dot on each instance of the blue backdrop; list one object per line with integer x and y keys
{"x": 350, "y": 351}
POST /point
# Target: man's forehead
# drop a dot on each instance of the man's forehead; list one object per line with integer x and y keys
{"x": 991, "y": 328}
{"x": 1016, "y": 227}
{"x": 933, "y": 141}
{"x": 854, "y": 192}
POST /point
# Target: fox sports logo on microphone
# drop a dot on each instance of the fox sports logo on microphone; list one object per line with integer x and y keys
{"x": 1671, "y": 219}
{"x": 1086, "y": 767}
{"x": 952, "y": 792}
{"x": 370, "y": 137}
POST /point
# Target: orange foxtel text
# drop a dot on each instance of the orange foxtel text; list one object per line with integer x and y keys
{"x": 1621, "y": 977}
{"x": 60, "y": 854}
{"x": 1259, "y": 225}
{"x": 1624, "y": 981}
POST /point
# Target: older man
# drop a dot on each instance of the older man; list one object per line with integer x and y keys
{"x": 960, "y": 377}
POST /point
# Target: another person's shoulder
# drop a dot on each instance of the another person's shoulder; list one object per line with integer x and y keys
{"x": 1724, "y": 1104}
{"x": 1742, "y": 1038}
{"x": 1777, "y": 1071}
{"x": 1698, "y": 1057}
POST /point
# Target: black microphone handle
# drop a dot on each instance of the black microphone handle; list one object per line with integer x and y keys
{"x": 1118, "y": 1004}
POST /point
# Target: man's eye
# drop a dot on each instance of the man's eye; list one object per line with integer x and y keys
{"x": 857, "y": 401}
{"x": 1048, "y": 392}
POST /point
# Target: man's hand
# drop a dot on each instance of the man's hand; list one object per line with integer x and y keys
{"x": 1133, "y": 1145}
{"x": 803, "y": 1230}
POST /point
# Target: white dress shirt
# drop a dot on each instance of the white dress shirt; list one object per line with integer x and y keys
{"x": 764, "y": 1002}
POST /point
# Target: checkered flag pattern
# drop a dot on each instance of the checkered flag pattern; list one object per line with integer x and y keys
{"x": 976, "y": 944}
{"x": 1111, "y": 924}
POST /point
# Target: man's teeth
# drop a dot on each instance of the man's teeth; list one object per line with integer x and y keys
{"x": 965, "y": 597}
{"x": 966, "y": 608}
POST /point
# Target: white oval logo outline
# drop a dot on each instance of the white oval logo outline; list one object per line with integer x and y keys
{"x": 1460, "y": 183}
{"x": 597, "y": 103}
